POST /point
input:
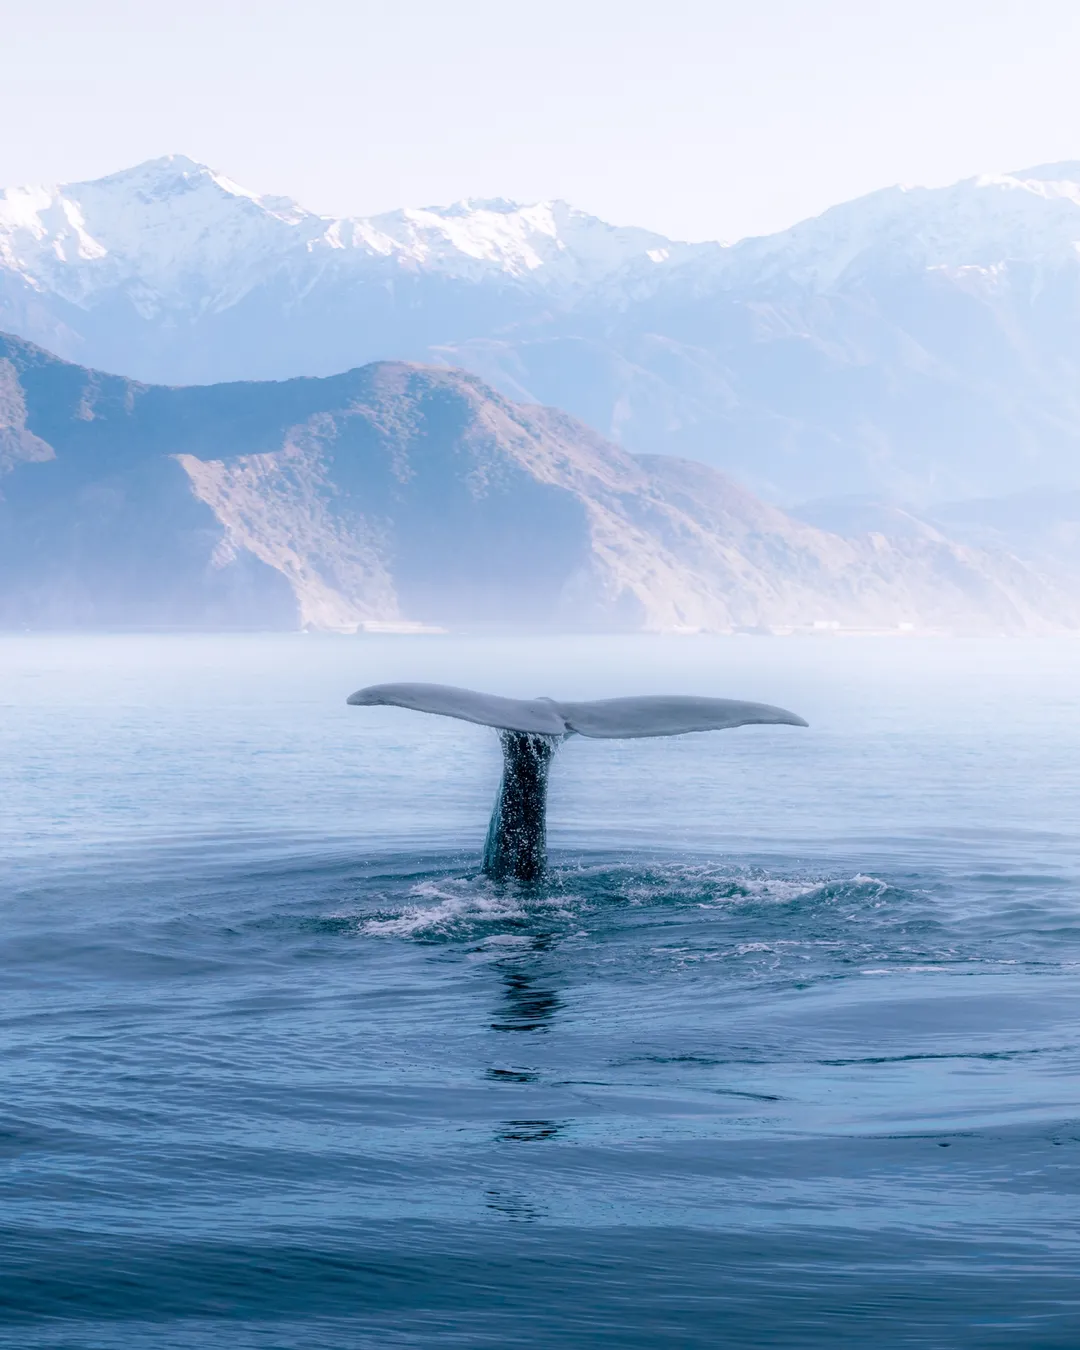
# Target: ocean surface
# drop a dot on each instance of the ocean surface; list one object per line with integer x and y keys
{"x": 784, "y": 1052}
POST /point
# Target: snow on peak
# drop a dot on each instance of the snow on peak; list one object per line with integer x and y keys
{"x": 157, "y": 230}
{"x": 174, "y": 231}
{"x": 175, "y": 236}
{"x": 977, "y": 226}
{"x": 550, "y": 242}
{"x": 468, "y": 205}
{"x": 155, "y": 173}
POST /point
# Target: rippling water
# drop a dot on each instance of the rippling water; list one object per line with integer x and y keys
{"x": 784, "y": 1053}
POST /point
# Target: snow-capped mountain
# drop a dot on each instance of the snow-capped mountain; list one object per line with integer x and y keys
{"x": 922, "y": 342}
{"x": 173, "y": 234}
{"x": 975, "y": 228}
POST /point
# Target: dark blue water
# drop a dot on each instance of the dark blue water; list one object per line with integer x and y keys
{"x": 784, "y": 1053}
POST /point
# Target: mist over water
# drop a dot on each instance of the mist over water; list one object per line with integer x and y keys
{"x": 784, "y": 1052}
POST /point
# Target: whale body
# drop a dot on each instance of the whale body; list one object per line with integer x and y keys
{"x": 531, "y": 730}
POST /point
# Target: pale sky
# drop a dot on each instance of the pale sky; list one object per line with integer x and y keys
{"x": 701, "y": 120}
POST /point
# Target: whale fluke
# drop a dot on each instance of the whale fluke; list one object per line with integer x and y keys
{"x": 530, "y": 731}
{"x": 605, "y": 718}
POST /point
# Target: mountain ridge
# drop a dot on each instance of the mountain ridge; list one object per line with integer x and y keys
{"x": 120, "y": 221}
{"x": 406, "y": 494}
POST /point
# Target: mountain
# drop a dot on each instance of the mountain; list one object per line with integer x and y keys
{"x": 917, "y": 344}
{"x": 403, "y": 494}
{"x": 172, "y": 272}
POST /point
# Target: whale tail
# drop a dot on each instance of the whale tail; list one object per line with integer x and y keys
{"x": 531, "y": 730}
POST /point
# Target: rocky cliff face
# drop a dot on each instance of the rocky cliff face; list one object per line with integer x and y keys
{"x": 407, "y": 494}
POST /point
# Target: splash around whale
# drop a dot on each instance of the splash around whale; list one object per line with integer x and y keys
{"x": 532, "y": 729}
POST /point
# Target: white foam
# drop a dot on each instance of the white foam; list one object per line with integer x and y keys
{"x": 446, "y": 904}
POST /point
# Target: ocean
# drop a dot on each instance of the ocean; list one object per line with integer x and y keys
{"x": 784, "y": 1052}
